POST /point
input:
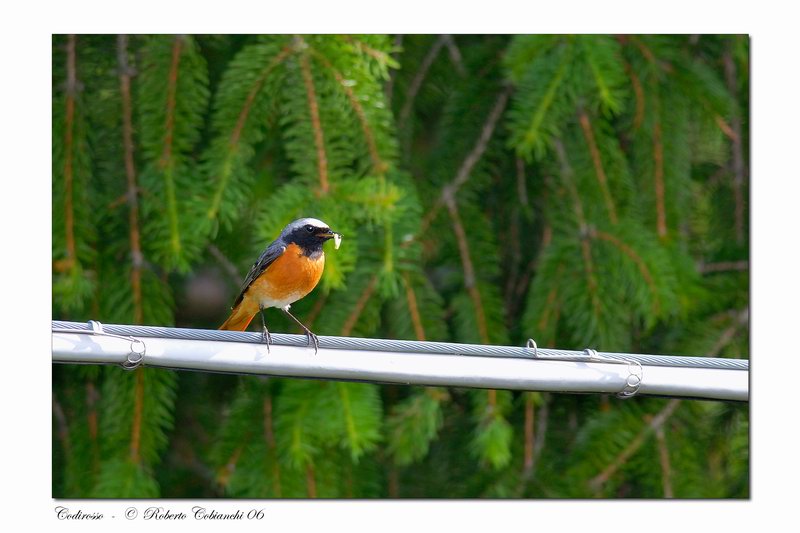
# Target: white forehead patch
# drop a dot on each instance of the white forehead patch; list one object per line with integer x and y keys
{"x": 299, "y": 223}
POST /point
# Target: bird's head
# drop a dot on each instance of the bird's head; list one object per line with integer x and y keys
{"x": 310, "y": 234}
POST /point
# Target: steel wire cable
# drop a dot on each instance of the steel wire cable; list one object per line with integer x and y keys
{"x": 404, "y": 346}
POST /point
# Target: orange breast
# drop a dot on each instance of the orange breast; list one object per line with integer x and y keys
{"x": 288, "y": 278}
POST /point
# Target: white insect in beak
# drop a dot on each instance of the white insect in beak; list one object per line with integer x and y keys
{"x": 337, "y": 240}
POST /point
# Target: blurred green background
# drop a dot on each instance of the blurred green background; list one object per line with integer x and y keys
{"x": 584, "y": 191}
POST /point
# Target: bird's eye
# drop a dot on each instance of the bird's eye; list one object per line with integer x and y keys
{"x": 310, "y": 228}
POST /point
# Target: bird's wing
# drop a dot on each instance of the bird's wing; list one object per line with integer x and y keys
{"x": 268, "y": 256}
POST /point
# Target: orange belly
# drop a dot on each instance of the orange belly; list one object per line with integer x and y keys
{"x": 287, "y": 279}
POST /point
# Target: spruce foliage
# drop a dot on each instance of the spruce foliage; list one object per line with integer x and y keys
{"x": 584, "y": 191}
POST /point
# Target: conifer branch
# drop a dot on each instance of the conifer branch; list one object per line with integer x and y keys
{"x": 726, "y": 128}
{"x": 470, "y": 282}
{"x": 411, "y": 298}
{"x": 663, "y": 456}
{"x": 645, "y": 51}
{"x": 534, "y": 128}
{"x": 736, "y": 144}
{"x": 347, "y": 414}
{"x": 588, "y": 133}
{"x": 638, "y": 92}
{"x": 530, "y": 413}
{"x": 138, "y": 407}
{"x": 227, "y": 470}
{"x": 316, "y": 123}
{"x": 416, "y": 82}
{"x": 586, "y": 251}
{"x": 658, "y": 157}
{"x": 658, "y": 148}
{"x": 522, "y": 188}
{"x": 455, "y": 55}
{"x": 541, "y": 427}
{"x": 69, "y": 125}
{"x": 379, "y": 166}
{"x": 465, "y": 170}
{"x": 269, "y": 436}
{"x": 588, "y": 265}
{"x": 515, "y": 253}
{"x": 544, "y": 321}
{"x": 227, "y": 265}
{"x": 351, "y": 321}
{"x": 551, "y": 300}
{"x": 547, "y": 238}
{"x": 63, "y": 426}
{"x": 348, "y": 480}
{"x": 491, "y": 400}
{"x": 534, "y": 439}
{"x": 137, "y": 258}
{"x": 636, "y": 258}
{"x": 311, "y": 482}
{"x": 566, "y": 177}
{"x": 389, "y": 86}
{"x": 482, "y": 143}
{"x": 62, "y": 265}
{"x": 661, "y": 418}
{"x": 167, "y": 163}
{"x": 597, "y": 482}
{"x": 658, "y": 176}
{"x": 524, "y": 280}
{"x": 113, "y": 204}
{"x": 381, "y": 56}
{"x": 236, "y": 133}
{"x": 244, "y": 114}
{"x": 91, "y": 421}
{"x": 740, "y": 319}
{"x": 393, "y": 482}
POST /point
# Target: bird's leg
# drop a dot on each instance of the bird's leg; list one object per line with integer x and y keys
{"x": 265, "y": 336}
{"x": 312, "y": 339}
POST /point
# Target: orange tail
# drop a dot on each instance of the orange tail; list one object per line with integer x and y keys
{"x": 240, "y": 318}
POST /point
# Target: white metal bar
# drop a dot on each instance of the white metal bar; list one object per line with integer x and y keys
{"x": 406, "y": 368}
{"x": 395, "y": 345}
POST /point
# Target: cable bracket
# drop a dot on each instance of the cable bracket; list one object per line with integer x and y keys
{"x": 633, "y": 381}
{"x": 138, "y": 348}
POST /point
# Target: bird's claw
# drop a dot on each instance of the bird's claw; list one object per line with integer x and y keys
{"x": 313, "y": 339}
{"x": 266, "y": 338}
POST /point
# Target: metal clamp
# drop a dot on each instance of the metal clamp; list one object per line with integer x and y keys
{"x": 532, "y": 344}
{"x": 633, "y": 381}
{"x": 635, "y": 371}
{"x": 135, "y": 358}
{"x": 138, "y": 349}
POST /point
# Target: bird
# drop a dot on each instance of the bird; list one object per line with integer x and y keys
{"x": 287, "y": 270}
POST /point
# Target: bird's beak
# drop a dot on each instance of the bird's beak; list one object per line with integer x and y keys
{"x": 337, "y": 238}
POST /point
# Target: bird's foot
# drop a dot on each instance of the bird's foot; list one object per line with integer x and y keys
{"x": 313, "y": 339}
{"x": 266, "y": 338}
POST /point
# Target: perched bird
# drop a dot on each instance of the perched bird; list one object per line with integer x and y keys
{"x": 288, "y": 269}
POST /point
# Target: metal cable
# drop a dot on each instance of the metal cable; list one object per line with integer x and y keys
{"x": 390, "y": 345}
